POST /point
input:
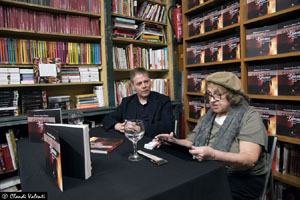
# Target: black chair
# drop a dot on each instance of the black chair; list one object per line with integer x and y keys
{"x": 269, "y": 185}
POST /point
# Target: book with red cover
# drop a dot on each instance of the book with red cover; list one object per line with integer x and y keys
{"x": 53, "y": 155}
{"x": 104, "y": 145}
{"x": 289, "y": 79}
{"x": 36, "y": 120}
{"x": 261, "y": 41}
{"x": 263, "y": 80}
{"x": 257, "y": 8}
{"x": 230, "y": 12}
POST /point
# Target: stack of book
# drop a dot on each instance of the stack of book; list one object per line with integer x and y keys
{"x": 85, "y": 101}
{"x": 33, "y": 100}
{"x": 150, "y": 32}
{"x": 124, "y": 27}
{"x": 9, "y": 76}
{"x": 27, "y": 76}
{"x": 70, "y": 74}
{"x": 62, "y": 102}
{"x": 9, "y": 103}
{"x": 89, "y": 74}
{"x": 98, "y": 90}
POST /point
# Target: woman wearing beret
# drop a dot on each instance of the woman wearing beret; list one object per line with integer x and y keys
{"x": 232, "y": 132}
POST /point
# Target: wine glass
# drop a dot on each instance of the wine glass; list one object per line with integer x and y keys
{"x": 75, "y": 117}
{"x": 134, "y": 131}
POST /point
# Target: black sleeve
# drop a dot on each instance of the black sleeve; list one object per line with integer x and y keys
{"x": 164, "y": 119}
{"x": 111, "y": 119}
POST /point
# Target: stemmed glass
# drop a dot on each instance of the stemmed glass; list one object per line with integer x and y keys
{"x": 134, "y": 131}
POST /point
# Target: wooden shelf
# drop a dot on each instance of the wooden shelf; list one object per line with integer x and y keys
{"x": 265, "y": 97}
{"x": 214, "y": 63}
{"x": 138, "y": 42}
{"x": 194, "y": 93}
{"x": 63, "y": 65}
{"x": 138, "y": 19}
{"x": 51, "y": 84}
{"x": 48, "y": 8}
{"x": 288, "y": 139}
{"x": 287, "y": 178}
{"x": 278, "y": 56}
{"x": 221, "y": 32}
{"x": 149, "y": 70}
{"x": 201, "y": 7}
{"x": 49, "y": 36}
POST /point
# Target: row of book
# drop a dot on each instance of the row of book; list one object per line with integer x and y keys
{"x": 38, "y": 99}
{"x": 132, "y": 57}
{"x": 153, "y": 12}
{"x": 274, "y": 39}
{"x": 260, "y": 8}
{"x": 123, "y": 88}
{"x": 9, "y": 163}
{"x": 32, "y": 20}
{"x": 125, "y": 7}
{"x": 196, "y": 78}
{"x": 145, "y": 10}
{"x": 92, "y": 6}
{"x": 193, "y": 3}
{"x": 222, "y": 16}
{"x": 9, "y": 102}
{"x": 8, "y": 153}
{"x": 283, "y": 191}
{"x": 15, "y": 51}
{"x": 275, "y": 79}
{"x": 226, "y": 48}
{"x": 145, "y": 31}
{"x": 287, "y": 159}
{"x": 281, "y": 119}
{"x": 48, "y": 73}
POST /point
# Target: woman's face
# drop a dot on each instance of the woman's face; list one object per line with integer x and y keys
{"x": 217, "y": 99}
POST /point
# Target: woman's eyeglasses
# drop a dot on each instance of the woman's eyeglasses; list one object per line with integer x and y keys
{"x": 216, "y": 97}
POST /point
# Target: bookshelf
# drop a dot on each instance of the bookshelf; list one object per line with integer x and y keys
{"x": 93, "y": 32}
{"x": 119, "y": 74}
{"x": 244, "y": 62}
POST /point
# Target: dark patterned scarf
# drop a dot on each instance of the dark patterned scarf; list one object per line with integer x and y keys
{"x": 227, "y": 132}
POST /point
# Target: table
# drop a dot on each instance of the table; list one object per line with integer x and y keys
{"x": 116, "y": 178}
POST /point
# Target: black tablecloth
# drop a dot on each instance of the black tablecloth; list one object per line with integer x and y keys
{"x": 116, "y": 178}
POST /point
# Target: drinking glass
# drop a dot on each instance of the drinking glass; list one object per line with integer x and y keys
{"x": 134, "y": 131}
{"x": 75, "y": 117}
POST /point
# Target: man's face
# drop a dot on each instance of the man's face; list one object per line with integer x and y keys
{"x": 142, "y": 85}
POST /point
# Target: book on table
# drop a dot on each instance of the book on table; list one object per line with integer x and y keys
{"x": 104, "y": 145}
{"x": 67, "y": 151}
{"x": 36, "y": 120}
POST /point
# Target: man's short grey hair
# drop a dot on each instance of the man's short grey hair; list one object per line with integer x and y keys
{"x": 138, "y": 70}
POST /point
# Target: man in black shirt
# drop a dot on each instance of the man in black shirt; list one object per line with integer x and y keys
{"x": 153, "y": 108}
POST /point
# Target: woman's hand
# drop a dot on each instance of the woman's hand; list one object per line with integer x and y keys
{"x": 161, "y": 138}
{"x": 203, "y": 153}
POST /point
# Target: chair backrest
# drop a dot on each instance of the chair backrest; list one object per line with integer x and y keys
{"x": 272, "y": 140}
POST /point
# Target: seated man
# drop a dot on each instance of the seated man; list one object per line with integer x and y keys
{"x": 153, "y": 108}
